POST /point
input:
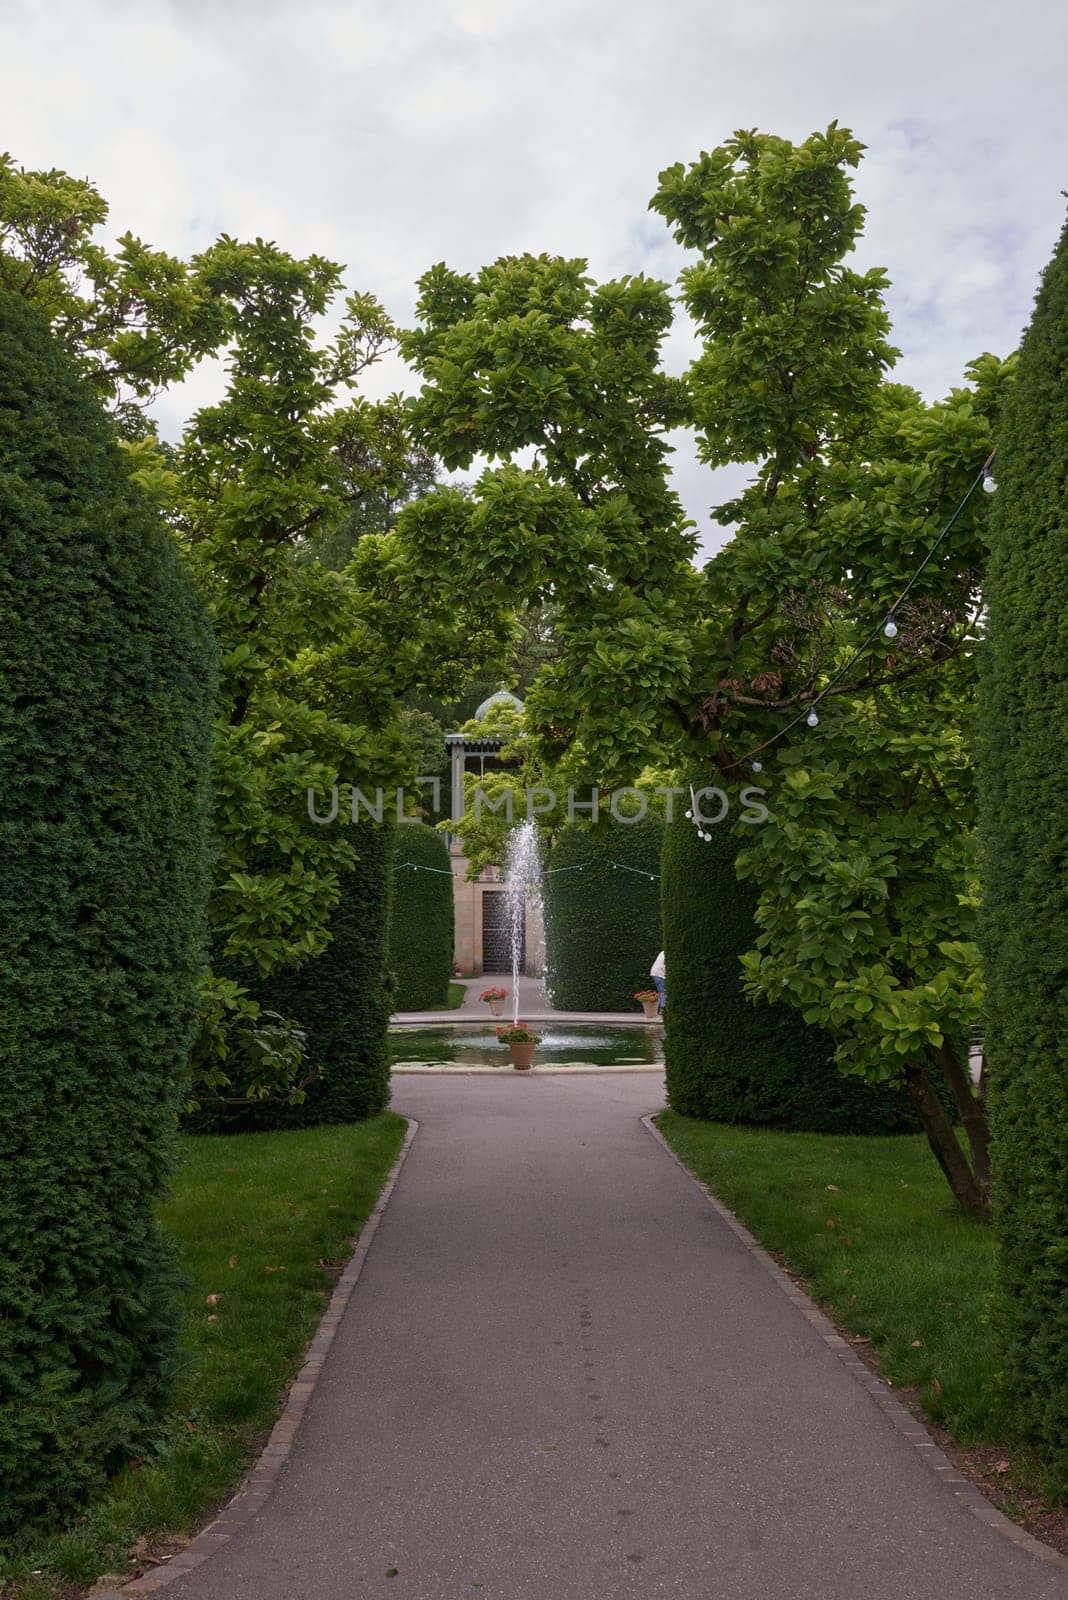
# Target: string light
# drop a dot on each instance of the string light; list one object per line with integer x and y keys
{"x": 988, "y": 481}
{"x": 812, "y": 719}
{"x": 891, "y": 627}
{"x": 757, "y": 766}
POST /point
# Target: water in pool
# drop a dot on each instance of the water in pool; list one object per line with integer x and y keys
{"x": 570, "y": 1045}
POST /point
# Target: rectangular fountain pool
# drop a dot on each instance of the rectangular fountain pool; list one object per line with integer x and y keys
{"x": 562, "y": 1045}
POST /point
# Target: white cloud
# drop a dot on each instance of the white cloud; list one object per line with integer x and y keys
{"x": 394, "y": 136}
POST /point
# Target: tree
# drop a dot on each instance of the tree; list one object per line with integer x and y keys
{"x": 1024, "y": 830}
{"x": 866, "y": 878}
{"x": 853, "y": 477}
{"x": 315, "y": 662}
{"x": 531, "y": 355}
{"x": 319, "y": 656}
{"x": 133, "y": 321}
{"x": 105, "y": 716}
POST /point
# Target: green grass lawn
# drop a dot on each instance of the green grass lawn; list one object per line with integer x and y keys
{"x": 872, "y": 1228}
{"x": 260, "y": 1219}
{"x": 456, "y": 996}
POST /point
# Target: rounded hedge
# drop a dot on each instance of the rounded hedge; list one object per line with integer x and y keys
{"x": 342, "y": 999}
{"x": 421, "y": 922}
{"x": 106, "y": 702}
{"x": 602, "y": 914}
{"x": 1024, "y": 836}
{"x": 728, "y": 1060}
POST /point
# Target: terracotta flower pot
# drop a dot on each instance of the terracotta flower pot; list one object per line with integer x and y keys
{"x": 496, "y": 1008}
{"x": 651, "y": 1009}
{"x": 522, "y": 1056}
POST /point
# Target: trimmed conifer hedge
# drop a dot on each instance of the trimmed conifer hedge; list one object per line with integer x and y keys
{"x": 602, "y": 919}
{"x": 1024, "y": 834}
{"x": 421, "y": 920}
{"x": 106, "y": 700}
{"x": 342, "y": 999}
{"x": 728, "y": 1060}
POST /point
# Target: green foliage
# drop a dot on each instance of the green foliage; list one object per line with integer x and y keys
{"x": 105, "y": 707}
{"x": 728, "y": 1060}
{"x": 1024, "y": 712}
{"x": 854, "y": 477}
{"x": 133, "y": 321}
{"x": 341, "y": 1000}
{"x": 602, "y": 914}
{"x": 530, "y": 354}
{"x": 794, "y": 341}
{"x": 421, "y": 920}
{"x": 287, "y": 477}
{"x": 316, "y": 662}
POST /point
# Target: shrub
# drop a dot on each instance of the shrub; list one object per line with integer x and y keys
{"x": 421, "y": 922}
{"x": 105, "y": 714}
{"x": 729, "y": 1060}
{"x": 341, "y": 999}
{"x": 1024, "y": 834}
{"x": 602, "y": 919}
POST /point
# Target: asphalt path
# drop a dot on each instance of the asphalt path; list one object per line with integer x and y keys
{"x": 563, "y": 1377}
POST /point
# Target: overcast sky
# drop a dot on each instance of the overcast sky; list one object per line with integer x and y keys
{"x": 390, "y": 134}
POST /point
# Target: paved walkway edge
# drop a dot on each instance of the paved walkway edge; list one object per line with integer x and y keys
{"x": 968, "y": 1496}
{"x": 257, "y": 1487}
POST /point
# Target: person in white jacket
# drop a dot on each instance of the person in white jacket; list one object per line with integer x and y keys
{"x": 658, "y": 973}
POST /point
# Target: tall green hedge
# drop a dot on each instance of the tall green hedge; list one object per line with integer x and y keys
{"x": 728, "y": 1060}
{"x": 106, "y": 699}
{"x": 1024, "y": 832}
{"x": 421, "y": 923}
{"x": 602, "y": 914}
{"x": 342, "y": 999}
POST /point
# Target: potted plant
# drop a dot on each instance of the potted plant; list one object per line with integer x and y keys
{"x": 521, "y": 1043}
{"x": 650, "y": 1002}
{"x": 496, "y": 998}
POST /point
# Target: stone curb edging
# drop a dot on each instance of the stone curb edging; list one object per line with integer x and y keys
{"x": 967, "y": 1495}
{"x": 258, "y": 1486}
{"x": 539, "y": 1070}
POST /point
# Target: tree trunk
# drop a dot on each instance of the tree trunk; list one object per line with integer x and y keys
{"x": 942, "y": 1138}
{"x": 972, "y": 1113}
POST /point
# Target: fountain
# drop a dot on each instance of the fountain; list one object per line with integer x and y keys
{"x": 522, "y": 880}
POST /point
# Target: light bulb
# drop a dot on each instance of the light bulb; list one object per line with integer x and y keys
{"x": 988, "y": 481}
{"x": 689, "y": 816}
{"x": 891, "y": 627}
{"x": 812, "y": 719}
{"x": 758, "y": 766}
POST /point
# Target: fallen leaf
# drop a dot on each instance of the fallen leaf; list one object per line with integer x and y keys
{"x": 861, "y": 1338}
{"x": 830, "y": 1223}
{"x": 833, "y": 1187}
{"x": 917, "y": 1344}
{"x": 213, "y": 1318}
{"x": 936, "y": 1386}
{"x": 1001, "y": 1466}
{"x": 232, "y": 1261}
{"x": 212, "y": 1299}
{"x": 847, "y": 1272}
